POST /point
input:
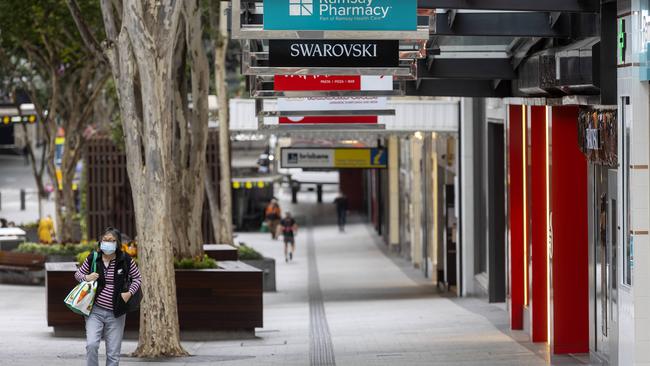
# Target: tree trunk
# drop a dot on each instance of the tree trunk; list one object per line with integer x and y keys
{"x": 69, "y": 209}
{"x": 225, "y": 191}
{"x": 150, "y": 46}
{"x": 213, "y": 202}
{"x": 159, "y": 331}
{"x": 38, "y": 175}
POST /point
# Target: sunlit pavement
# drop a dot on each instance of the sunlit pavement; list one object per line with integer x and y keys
{"x": 347, "y": 302}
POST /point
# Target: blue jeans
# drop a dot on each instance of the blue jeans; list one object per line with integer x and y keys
{"x": 101, "y": 321}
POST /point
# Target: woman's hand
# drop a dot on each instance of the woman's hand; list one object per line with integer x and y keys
{"x": 126, "y": 296}
{"x": 92, "y": 277}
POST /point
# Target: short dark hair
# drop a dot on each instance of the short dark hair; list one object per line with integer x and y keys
{"x": 117, "y": 234}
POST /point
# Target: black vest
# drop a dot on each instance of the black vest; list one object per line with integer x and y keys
{"x": 122, "y": 261}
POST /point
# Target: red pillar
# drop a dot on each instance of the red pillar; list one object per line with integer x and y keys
{"x": 570, "y": 236}
{"x": 351, "y": 184}
{"x": 516, "y": 143}
{"x": 539, "y": 230}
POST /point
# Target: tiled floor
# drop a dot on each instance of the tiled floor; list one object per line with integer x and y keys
{"x": 378, "y": 311}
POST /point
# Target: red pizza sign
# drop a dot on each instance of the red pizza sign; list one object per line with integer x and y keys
{"x": 329, "y": 120}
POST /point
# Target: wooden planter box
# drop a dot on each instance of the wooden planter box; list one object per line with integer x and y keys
{"x": 227, "y": 299}
{"x": 221, "y": 252}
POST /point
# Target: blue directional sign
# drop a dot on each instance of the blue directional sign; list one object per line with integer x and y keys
{"x": 341, "y": 15}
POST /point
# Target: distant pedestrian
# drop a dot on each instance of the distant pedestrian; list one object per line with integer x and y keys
{"x": 118, "y": 280}
{"x": 46, "y": 230}
{"x": 341, "y": 203}
{"x": 289, "y": 231}
{"x": 273, "y": 214}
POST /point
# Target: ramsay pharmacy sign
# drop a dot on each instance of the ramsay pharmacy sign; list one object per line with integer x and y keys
{"x": 341, "y": 15}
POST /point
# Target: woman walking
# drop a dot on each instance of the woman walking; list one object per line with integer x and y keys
{"x": 118, "y": 280}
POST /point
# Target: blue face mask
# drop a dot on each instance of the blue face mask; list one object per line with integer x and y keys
{"x": 108, "y": 247}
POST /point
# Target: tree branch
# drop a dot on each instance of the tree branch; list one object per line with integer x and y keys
{"x": 96, "y": 91}
{"x": 86, "y": 35}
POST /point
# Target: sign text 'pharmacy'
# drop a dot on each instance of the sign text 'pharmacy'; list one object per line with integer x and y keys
{"x": 353, "y": 15}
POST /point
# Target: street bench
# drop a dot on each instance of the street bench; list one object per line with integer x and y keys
{"x": 21, "y": 267}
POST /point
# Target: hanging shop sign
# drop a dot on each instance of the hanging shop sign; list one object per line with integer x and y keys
{"x": 343, "y": 53}
{"x": 334, "y": 158}
{"x": 332, "y": 104}
{"x": 598, "y": 135}
{"x": 332, "y": 83}
{"x": 315, "y": 120}
{"x": 341, "y": 15}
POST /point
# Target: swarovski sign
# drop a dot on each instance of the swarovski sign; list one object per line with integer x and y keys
{"x": 333, "y": 50}
{"x": 316, "y": 53}
{"x": 398, "y": 15}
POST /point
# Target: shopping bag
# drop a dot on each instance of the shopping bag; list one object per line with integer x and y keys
{"x": 82, "y": 297}
{"x": 265, "y": 227}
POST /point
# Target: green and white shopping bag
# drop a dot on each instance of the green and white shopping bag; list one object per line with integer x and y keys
{"x": 82, "y": 297}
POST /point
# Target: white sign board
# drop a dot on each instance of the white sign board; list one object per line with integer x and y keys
{"x": 308, "y": 158}
{"x": 332, "y": 103}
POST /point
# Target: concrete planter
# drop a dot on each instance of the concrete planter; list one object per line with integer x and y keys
{"x": 31, "y": 234}
{"x": 57, "y": 258}
{"x": 267, "y": 265}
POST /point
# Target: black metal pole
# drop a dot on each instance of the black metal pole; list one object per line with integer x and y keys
{"x": 319, "y": 193}
{"x": 22, "y": 200}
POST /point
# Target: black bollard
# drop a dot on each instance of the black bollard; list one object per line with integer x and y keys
{"x": 22, "y": 200}
{"x": 295, "y": 186}
{"x": 319, "y": 193}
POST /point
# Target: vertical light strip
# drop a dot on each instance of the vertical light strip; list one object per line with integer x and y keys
{"x": 524, "y": 147}
{"x": 548, "y": 225}
{"x": 434, "y": 158}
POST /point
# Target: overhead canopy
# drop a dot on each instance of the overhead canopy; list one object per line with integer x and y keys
{"x": 490, "y": 48}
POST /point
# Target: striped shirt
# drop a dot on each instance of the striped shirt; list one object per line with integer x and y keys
{"x": 105, "y": 298}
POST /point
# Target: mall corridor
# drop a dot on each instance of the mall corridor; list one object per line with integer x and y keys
{"x": 345, "y": 300}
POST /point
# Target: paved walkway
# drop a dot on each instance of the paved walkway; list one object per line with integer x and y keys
{"x": 14, "y": 176}
{"x": 341, "y": 301}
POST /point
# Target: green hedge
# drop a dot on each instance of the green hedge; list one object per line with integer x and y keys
{"x": 204, "y": 262}
{"x": 184, "y": 263}
{"x": 247, "y": 253}
{"x": 54, "y": 249}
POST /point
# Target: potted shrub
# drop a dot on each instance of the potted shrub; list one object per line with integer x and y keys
{"x": 254, "y": 258}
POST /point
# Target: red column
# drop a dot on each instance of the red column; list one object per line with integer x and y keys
{"x": 516, "y": 143}
{"x": 539, "y": 230}
{"x": 570, "y": 236}
{"x": 351, "y": 184}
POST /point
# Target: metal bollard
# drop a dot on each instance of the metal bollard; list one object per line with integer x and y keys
{"x": 319, "y": 193}
{"x": 295, "y": 187}
{"x": 22, "y": 200}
